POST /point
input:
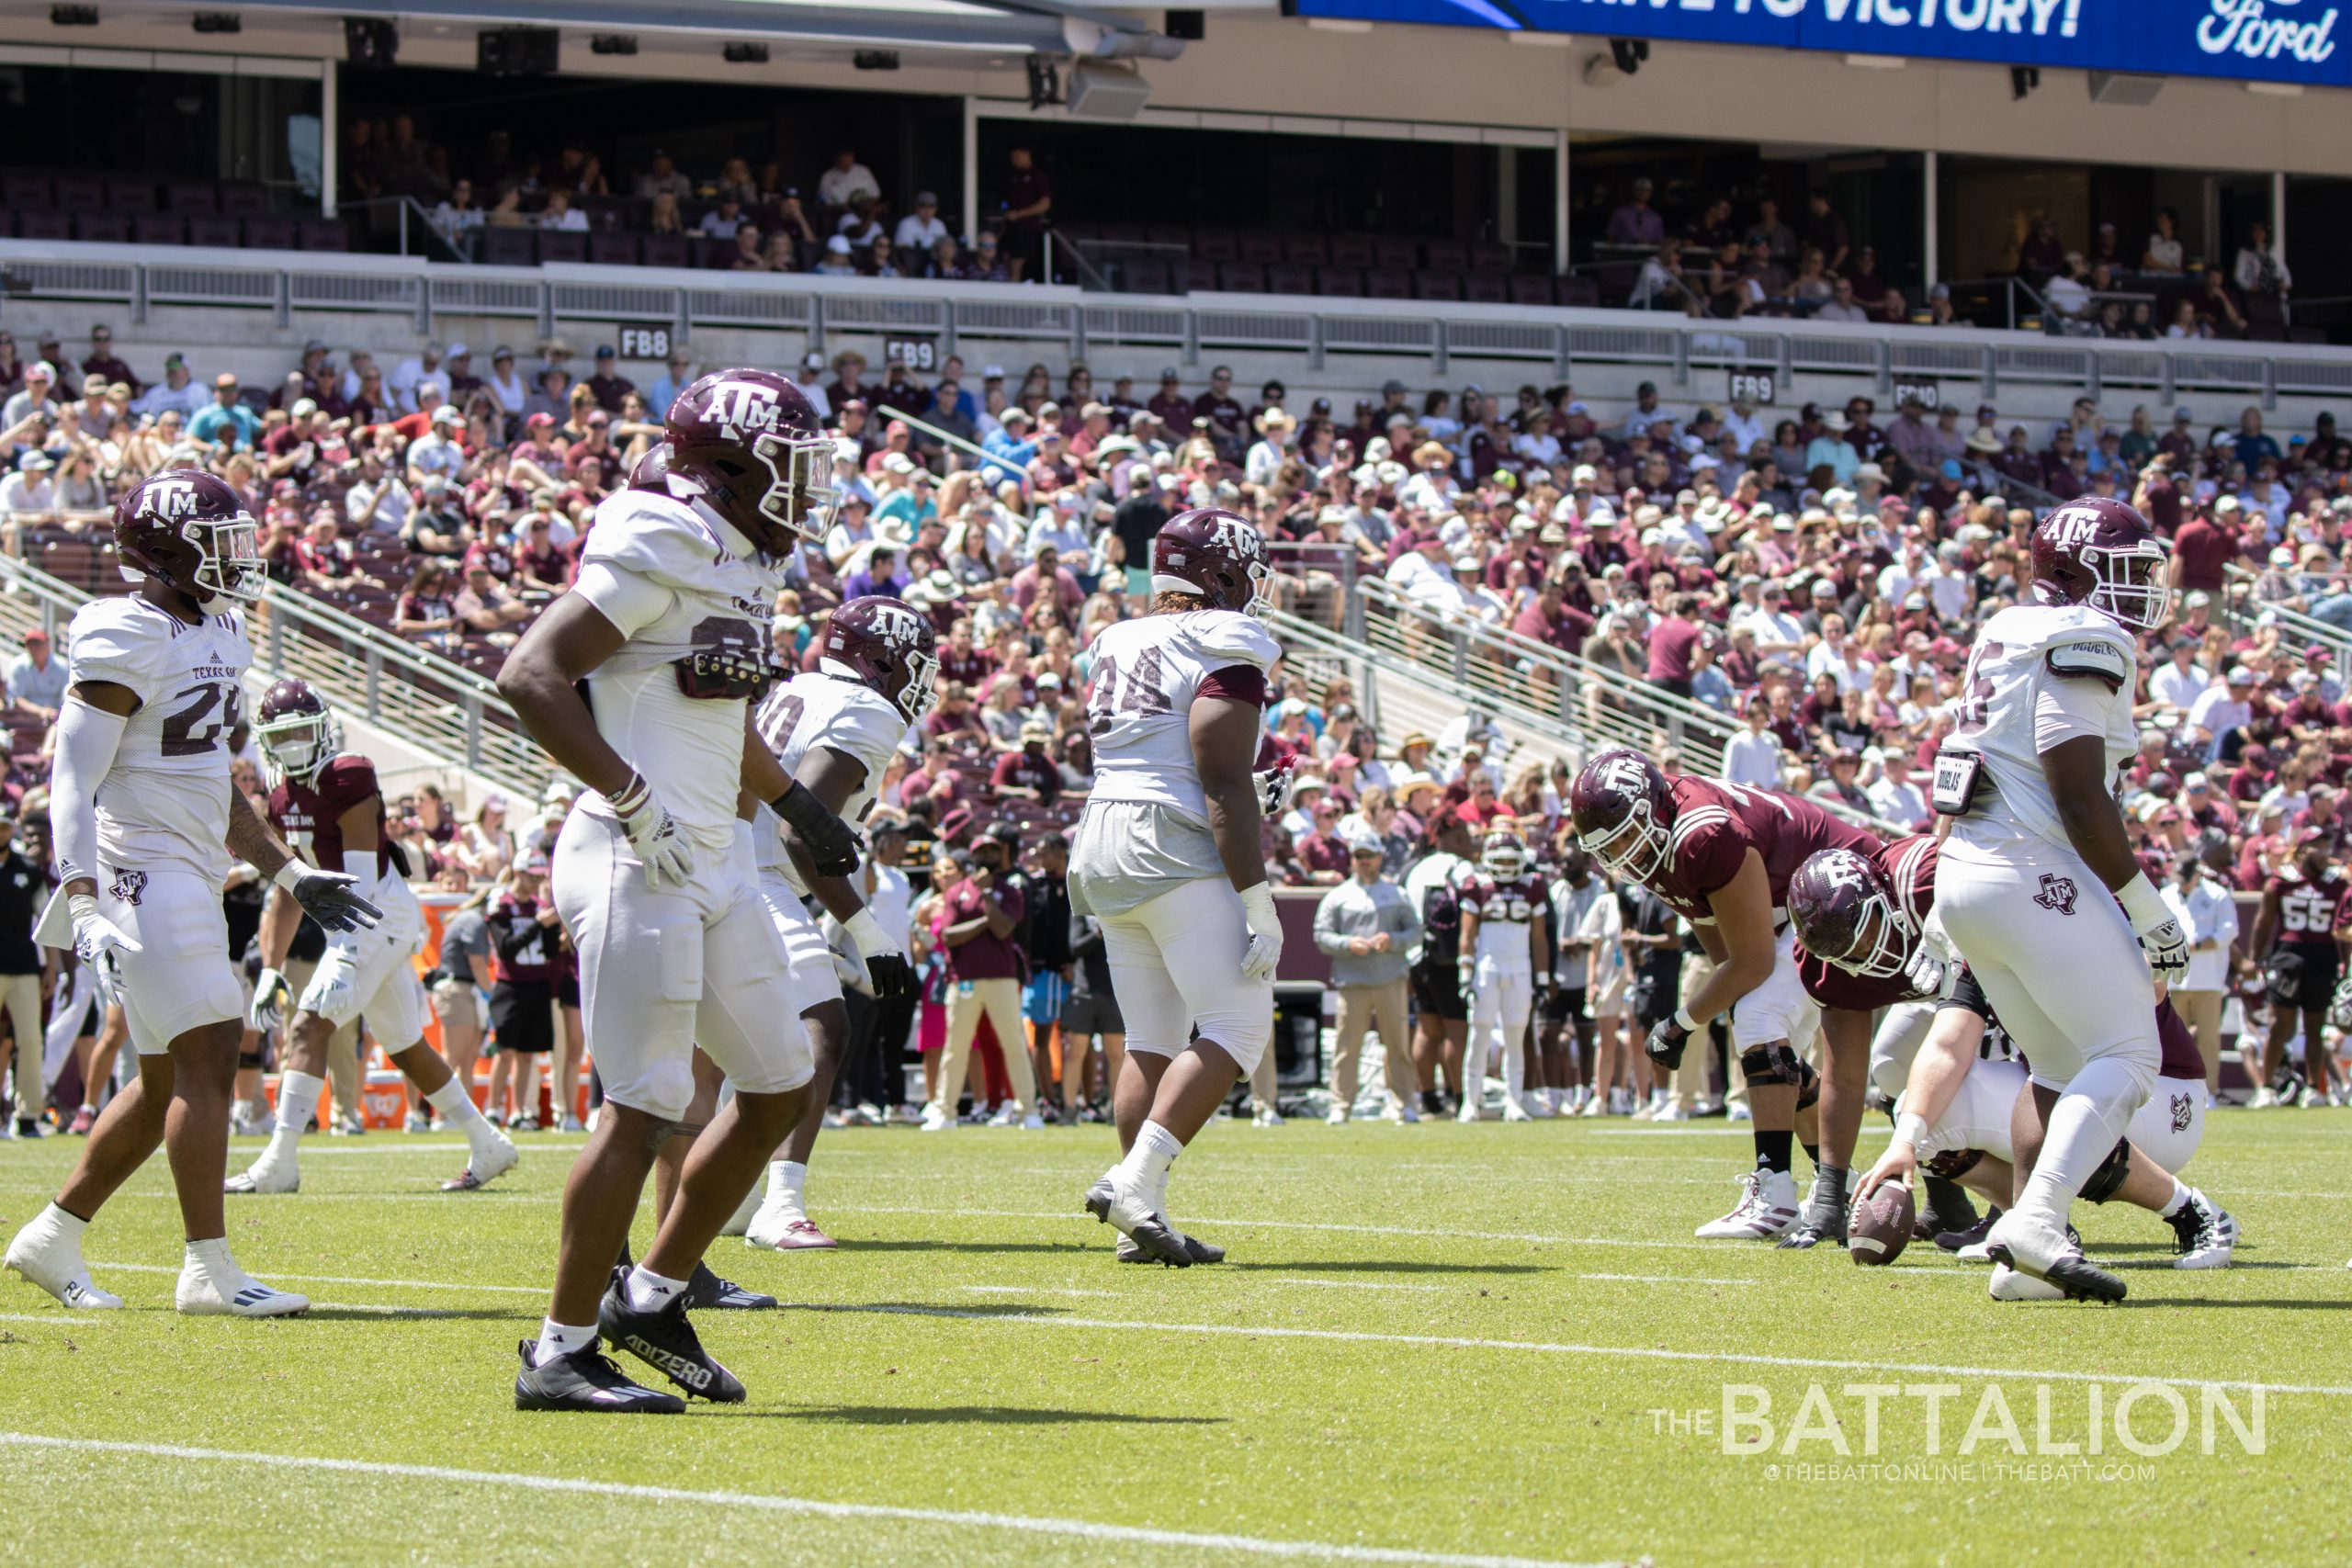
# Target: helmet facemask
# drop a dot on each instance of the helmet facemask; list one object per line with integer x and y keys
{"x": 1635, "y": 850}
{"x": 1881, "y": 948}
{"x": 297, "y": 744}
{"x": 2132, "y": 584}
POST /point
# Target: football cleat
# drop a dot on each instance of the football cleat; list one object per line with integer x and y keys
{"x": 1114, "y": 1203}
{"x": 786, "y": 1230}
{"x": 493, "y": 1156}
{"x": 2050, "y": 1254}
{"x": 82, "y": 1121}
{"x": 2204, "y": 1234}
{"x": 32, "y": 1127}
{"x": 1948, "y": 1209}
{"x": 43, "y": 1255}
{"x": 1813, "y": 1228}
{"x": 417, "y": 1121}
{"x": 1962, "y": 1241}
{"x": 1767, "y": 1206}
{"x": 205, "y": 1294}
{"x": 586, "y": 1380}
{"x": 704, "y": 1289}
{"x": 266, "y": 1176}
{"x": 1514, "y": 1111}
{"x": 665, "y": 1340}
{"x": 1201, "y": 1251}
{"x": 2008, "y": 1285}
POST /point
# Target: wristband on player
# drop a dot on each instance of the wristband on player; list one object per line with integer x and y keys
{"x": 1911, "y": 1128}
{"x": 82, "y": 907}
{"x": 2142, "y": 904}
{"x": 290, "y": 874}
{"x": 866, "y": 932}
{"x": 627, "y": 799}
{"x": 1683, "y": 1019}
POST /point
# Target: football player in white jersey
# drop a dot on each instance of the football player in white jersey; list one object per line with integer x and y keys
{"x": 2037, "y": 884}
{"x": 833, "y": 729}
{"x": 140, "y": 806}
{"x": 668, "y": 624}
{"x": 1505, "y": 944}
{"x": 328, "y": 804}
{"x": 1168, "y": 858}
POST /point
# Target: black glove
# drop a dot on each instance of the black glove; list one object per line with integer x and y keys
{"x": 1666, "y": 1042}
{"x": 833, "y": 847}
{"x": 891, "y": 975}
{"x": 333, "y": 899}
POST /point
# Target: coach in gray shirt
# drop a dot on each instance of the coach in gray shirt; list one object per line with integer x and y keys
{"x": 1364, "y": 926}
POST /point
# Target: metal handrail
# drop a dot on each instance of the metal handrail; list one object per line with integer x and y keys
{"x": 2307, "y": 629}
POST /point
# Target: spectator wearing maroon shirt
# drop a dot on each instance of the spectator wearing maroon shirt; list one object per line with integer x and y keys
{"x": 1045, "y": 574}
{"x": 1227, "y": 420}
{"x": 2202, "y": 551}
{"x": 1547, "y": 618}
{"x": 1322, "y": 852}
{"x": 955, "y": 718}
{"x": 1671, "y": 641}
{"x": 1029, "y": 773}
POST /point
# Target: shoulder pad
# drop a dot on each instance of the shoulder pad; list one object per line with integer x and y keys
{"x": 1228, "y": 637}
{"x": 2081, "y": 658}
{"x": 117, "y": 641}
{"x": 866, "y": 727}
{"x": 347, "y": 779}
{"x": 653, "y": 537}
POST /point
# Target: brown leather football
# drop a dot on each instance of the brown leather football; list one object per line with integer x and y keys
{"x": 1879, "y": 1226}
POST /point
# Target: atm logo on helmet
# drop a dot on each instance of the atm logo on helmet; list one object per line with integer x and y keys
{"x": 745, "y": 408}
{"x": 170, "y": 500}
{"x": 901, "y": 627}
{"x": 2071, "y": 527}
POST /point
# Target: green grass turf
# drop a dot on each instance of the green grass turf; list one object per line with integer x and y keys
{"x": 985, "y": 1354}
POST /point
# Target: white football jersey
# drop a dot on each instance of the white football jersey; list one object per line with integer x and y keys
{"x": 165, "y": 800}
{"x": 1145, "y": 674}
{"x": 676, "y": 580}
{"x": 2037, "y": 675}
{"x": 818, "y": 709}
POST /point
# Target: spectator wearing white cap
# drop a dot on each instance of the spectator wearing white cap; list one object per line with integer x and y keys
{"x": 437, "y": 451}
{"x": 2220, "y": 711}
{"x": 26, "y": 492}
{"x": 811, "y": 379}
{"x": 920, "y": 230}
{"x": 40, "y": 395}
{"x": 837, "y": 262}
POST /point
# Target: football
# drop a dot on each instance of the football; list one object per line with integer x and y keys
{"x": 1879, "y": 1226}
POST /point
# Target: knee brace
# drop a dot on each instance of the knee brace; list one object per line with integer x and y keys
{"x": 657, "y": 1133}
{"x": 1808, "y": 1085}
{"x": 2109, "y": 1174}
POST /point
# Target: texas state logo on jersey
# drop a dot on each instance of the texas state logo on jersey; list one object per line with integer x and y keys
{"x": 816, "y": 710}
{"x": 1717, "y": 822}
{"x": 165, "y": 801}
{"x": 2082, "y": 660}
{"x": 1909, "y": 867}
{"x": 1145, "y": 676}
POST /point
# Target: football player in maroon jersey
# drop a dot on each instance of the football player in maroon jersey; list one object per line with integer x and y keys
{"x": 329, "y": 806}
{"x": 2300, "y": 932}
{"x": 1721, "y": 856}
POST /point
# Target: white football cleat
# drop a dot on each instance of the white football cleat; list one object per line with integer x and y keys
{"x": 44, "y": 1255}
{"x": 1514, "y": 1111}
{"x": 2030, "y": 1245}
{"x": 2263, "y": 1098}
{"x": 209, "y": 1294}
{"x": 777, "y": 1228}
{"x": 493, "y": 1156}
{"x": 1266, "y": 1116}
{"x": 2206, "y": 1236}
{"x": 2008, "y": 1285}
{"x": 1768, "y": 1205}
{"x": 1337, "y": 1115}
{"x": 266, "y": 1176}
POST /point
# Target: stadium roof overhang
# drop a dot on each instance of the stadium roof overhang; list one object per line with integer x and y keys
{"x": 950, "y": 26}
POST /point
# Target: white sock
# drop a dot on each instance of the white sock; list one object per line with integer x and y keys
{"x": 526, "y": 1093}
{"x": 298, "y": 1101}
{"x": 65, "y": 1224}
{"x": 561, "y": 1339}
{"x": 1155, "y": 1148}
{"x": 2172, "y": 1205}
{"x": 2083, "y": 1126}
{"x": 211, "y": 1257}
{"x": 648, "y": 1291}
{"x": 787, "y": 1180}
{"x": 458, "y": 1109}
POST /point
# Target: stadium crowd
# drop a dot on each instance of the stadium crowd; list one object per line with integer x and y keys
{"x": 1814, "y": 579}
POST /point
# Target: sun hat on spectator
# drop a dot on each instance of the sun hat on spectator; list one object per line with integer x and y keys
{"x": 37, "y": 461}
{"x": 838, "y": 245}
{"x": 2239, "y": 675}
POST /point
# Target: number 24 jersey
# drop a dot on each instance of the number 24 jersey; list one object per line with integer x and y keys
{"x": 1144, "y": 677}
{"x": 164, "y": 802}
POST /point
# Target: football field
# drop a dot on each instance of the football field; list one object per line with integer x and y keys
{"x": 1431, "y": 1344}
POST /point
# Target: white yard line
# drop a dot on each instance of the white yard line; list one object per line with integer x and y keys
{"x": 66, "y": 1319}
{"x": 1016, "y": 1524}
{"x": 332, "y": 1280}
{"x": 1031, "y": 1291}
{"x": 1637, "y": 1352}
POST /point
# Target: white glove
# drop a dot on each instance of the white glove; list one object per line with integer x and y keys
{"x": 270, "y": 995}
{"x": 1273, "y": 786}
{"x": 661, "y": 847}
{"x": 331, "y": 985}
{"x": 1926, "y": 974}
{"x": 2161, "y": 937}
{"x": 1265, "y": 949}
{"x": 100, "y": 944}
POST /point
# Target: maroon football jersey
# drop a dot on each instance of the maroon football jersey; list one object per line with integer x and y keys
{"x": 2181, "y": 1058}
{"x": 1909, "y": 864}
{"x": 1515, "y": 902}
{"x": 309, "y": 817}
{"x": 1716, "y": 823}
{"x": 2309, "y": 912}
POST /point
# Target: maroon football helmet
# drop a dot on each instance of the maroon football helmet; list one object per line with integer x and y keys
{"x": 1846, "y": 914}
{"x": 652, "y": 471}
{"x": 2101, "y": 553}
{"x": 887, "y": 644}
{"x": 1216, "y": 554}
{"x": 1623, "y": 809}
{"x": 748, "y": 442}
{"x": 190, "y": 531}
{"x": 296, "y": 728}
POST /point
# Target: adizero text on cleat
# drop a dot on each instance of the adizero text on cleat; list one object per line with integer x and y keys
{"x": 666, "y": 1340}
{"x": 586, "y": 1380}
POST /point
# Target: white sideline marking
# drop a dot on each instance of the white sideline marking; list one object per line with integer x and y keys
{"x": 1727, "y": 1247}
{"x": 1348, "y": 1284}
{"x": 1081, "y": 1529}
{"x": 336, "y": 1280}
{"x": 1032, "y": 1290}
{"x": 68, "y": 1317}
{"x": 1642, "y": 1352}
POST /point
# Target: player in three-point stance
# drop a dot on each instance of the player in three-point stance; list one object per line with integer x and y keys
{"x": 2037, "y": 884}
{"x": 668, "y": 624}
{"x": 140, "y": 806}
{"x": 1175, "y": 711}
{"x": 327, "y": 804}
